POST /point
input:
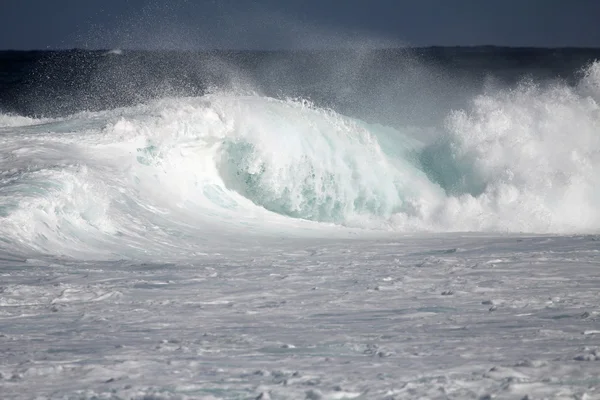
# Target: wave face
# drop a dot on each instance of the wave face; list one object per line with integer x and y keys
{"x": 181, "y": 171}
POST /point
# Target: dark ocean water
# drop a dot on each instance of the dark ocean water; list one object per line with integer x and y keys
{"x": 387, "y": 86}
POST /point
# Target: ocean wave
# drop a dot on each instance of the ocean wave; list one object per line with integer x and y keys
{"x": 12, "y": 120}
{"x": 177, "y": 172}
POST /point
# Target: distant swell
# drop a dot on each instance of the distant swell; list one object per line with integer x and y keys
{"x": 180, "y": 171}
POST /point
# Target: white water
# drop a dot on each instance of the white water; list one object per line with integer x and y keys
{"x": 261, "y": 248}
{"x": 520, "y": 160}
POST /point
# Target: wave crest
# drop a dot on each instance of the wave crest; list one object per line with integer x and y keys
{"x": 309, "y": 163}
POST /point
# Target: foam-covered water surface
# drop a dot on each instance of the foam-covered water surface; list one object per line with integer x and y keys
{"x": 435, "y": 316}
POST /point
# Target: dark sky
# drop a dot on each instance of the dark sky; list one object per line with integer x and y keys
{"x": 269, "y": 24}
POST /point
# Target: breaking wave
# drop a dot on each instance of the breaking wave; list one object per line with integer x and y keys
{"x": 181, "y": 171}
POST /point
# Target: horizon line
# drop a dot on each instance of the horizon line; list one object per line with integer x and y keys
{"x": 133, "y": 49}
